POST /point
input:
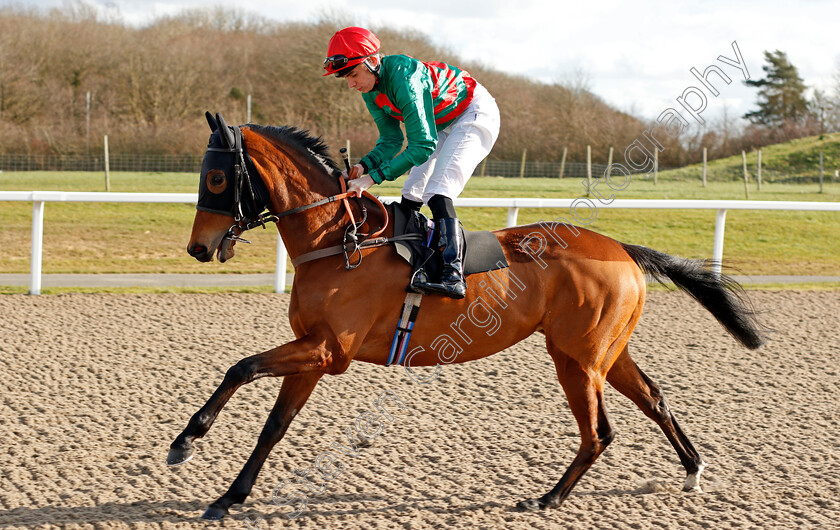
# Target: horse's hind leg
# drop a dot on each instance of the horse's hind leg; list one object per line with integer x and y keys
{"x": 585, "y": 393}
{"x": 294, "y": 392}
{"x": 628, "y": 379}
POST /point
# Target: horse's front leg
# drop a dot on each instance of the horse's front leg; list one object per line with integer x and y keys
{"x": 295, "y": 391}
{"x": 308, "y": 354}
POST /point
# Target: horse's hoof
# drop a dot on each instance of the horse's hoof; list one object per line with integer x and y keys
{"x": 179, "y": 455}
{"x": 530, "y": 505}
{"x": 692, "y": 480}
{"x": 214, "y": 513}
{"x": 692, "y": 484}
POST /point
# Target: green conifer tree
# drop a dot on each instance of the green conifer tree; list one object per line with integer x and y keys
{"x": 781, "y": 93}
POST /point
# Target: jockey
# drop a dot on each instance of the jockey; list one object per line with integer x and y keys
{"x": 451, "y": 123}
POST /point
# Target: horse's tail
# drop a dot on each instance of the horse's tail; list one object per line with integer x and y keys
{"x": 720, "y": 294}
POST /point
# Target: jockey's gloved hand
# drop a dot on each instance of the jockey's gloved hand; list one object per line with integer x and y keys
{"x": 358, "y": 185}
{"x": 355, "y": 172}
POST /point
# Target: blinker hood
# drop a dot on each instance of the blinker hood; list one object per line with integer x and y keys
{"x": 226, "y": 186}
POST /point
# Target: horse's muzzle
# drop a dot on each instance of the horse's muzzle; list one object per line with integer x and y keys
{"x": 200, "y": 252}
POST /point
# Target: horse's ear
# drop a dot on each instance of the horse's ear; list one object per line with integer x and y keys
{"x": 214, "y": 125}
{"x": 225, "y": 131}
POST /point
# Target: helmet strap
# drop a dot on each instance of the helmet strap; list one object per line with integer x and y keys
{"x": 373, "y": 69}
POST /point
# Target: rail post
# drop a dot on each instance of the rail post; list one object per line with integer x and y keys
{"x": 513, "y": 212}
{"x": 107, "y": 166}
{"x": 37, "y": 247}
{"x": 280, "y": 266}
{"x": 655, "y": 165}
{"x": 746, "y": 177}
{"x": 563, "y": 162}
{"x": 717, "y": 251}
{"x": 821, "y": 171}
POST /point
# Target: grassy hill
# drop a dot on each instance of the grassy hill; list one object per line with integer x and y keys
{"x": 797, "y": 160}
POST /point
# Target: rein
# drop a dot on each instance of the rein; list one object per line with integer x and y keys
{"x": 352, "y": 245}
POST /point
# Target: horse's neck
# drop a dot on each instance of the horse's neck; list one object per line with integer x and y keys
{"x": 293, "y": 181}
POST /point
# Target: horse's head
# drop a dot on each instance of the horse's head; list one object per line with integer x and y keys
{"x": 230, "y": 194}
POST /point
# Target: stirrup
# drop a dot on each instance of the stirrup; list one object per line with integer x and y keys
{"x": 418, "y": 283}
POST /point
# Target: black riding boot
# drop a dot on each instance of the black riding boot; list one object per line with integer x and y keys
{"x": 451, "y": 241}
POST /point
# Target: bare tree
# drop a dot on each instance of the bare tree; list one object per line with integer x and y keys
{"x": 152, "y": 84}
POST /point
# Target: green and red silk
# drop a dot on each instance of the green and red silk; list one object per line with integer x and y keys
{"x": 427, "y": 97}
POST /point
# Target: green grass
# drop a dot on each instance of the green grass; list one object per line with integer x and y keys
{"x": 794, "y": 161}
{"x": 152, "y": 238}
{"x": 93, "y": 181}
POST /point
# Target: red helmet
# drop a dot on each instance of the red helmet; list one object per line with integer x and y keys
{"x": 349, "y": 47}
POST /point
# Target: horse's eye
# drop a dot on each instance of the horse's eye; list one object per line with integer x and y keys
{"x": 216, "y": 181}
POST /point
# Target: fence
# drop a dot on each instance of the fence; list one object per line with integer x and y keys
{"x": 187, "y": 163}
{"x": 116, "y": 162}
{"x": 507, "y": 168}
{"x": 192, "y": 164}
{"x": 38, "y": 198}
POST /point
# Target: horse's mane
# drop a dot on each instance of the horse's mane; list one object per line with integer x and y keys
{"x": 311, "y": 146}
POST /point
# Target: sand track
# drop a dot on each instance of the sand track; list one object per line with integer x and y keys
{"x": 95, "y": 387}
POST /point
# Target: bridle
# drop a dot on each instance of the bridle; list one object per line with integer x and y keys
{"x": 242, "y": 183}
{"x": 353, "y": 242}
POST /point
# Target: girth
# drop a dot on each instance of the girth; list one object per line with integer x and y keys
{"x": 340, "y": 249}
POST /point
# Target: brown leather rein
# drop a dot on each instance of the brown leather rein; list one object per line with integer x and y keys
{"x": 353, "y": 244}
{"x": 351, "y": 237}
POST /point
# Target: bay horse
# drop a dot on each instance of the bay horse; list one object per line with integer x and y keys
{"x": 584, "y": 293}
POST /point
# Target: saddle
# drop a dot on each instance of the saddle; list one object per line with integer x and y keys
{"x": 482, "y": 253}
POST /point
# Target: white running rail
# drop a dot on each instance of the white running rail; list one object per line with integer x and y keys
{"x": 38, "y": 198}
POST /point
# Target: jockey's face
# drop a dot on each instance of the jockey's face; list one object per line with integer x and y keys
{"x": 361, "y": 79}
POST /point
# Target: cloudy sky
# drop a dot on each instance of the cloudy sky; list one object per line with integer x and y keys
{"x": 636, "y": 55}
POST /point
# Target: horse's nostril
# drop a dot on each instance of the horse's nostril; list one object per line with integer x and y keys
{"x": 197, "y": 250}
